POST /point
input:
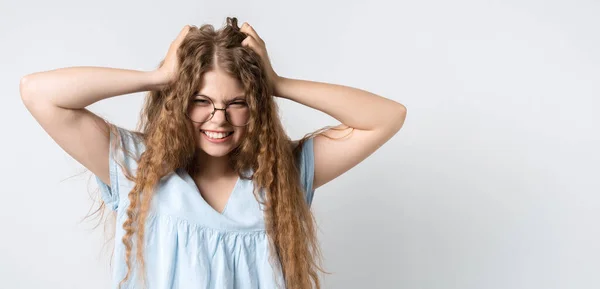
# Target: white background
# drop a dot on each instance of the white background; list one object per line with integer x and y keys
{"x": 493, "y": 181}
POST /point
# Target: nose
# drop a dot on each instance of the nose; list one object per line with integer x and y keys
{"x": 219, "y": 116}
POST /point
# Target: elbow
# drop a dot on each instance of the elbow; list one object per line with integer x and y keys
{"x": 25, "y": 89}
{"x": 402, "y": 109}
{"x": 400, "y": 116}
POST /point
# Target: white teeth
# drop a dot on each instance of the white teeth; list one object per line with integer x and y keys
{"x": 215, "y": 135}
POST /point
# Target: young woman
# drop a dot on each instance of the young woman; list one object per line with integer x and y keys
{"x": 211, "y": 186}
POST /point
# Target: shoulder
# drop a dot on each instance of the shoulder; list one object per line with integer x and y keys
{"x": 125, "y": 149}
{"x": 126, "y": 144}
{"x": 305, "y": 160}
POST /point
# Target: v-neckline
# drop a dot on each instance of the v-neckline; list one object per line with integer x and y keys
{"x": 190, "y": 180}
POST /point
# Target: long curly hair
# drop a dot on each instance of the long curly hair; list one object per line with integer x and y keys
{"x": 170, "y": 141}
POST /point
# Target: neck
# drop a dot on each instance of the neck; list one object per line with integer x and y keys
{"x": 209, "y": 167}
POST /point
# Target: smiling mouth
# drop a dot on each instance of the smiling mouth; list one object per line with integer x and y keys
{"x": 216, "y": 135}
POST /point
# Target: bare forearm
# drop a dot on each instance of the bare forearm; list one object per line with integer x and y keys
{"x": 78, "y": 87}
{"x": 351, "y": 106}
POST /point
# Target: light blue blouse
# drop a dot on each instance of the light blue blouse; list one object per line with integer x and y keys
{"x": 188, "y": 243}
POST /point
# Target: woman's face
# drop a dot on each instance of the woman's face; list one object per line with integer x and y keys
{"x": 217, "y": 137}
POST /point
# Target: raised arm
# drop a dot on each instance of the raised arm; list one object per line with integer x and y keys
{"x": 373, "y": 119}
{"x": 57, "y": 100}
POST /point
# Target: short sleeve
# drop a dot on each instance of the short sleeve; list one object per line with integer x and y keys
{"x": 119, "y": 184}
{"x": 307, "y": 169}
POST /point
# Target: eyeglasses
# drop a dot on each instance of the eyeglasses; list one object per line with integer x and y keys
{"x": 202, "y": 109}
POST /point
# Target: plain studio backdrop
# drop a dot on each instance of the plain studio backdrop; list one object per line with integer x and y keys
{"x": 493, "y": 182}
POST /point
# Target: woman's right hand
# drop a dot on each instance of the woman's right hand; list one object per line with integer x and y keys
{"x": 166, "y": 73}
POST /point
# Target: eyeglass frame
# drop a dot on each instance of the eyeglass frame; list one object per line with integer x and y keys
{"x": 215, "y": 110}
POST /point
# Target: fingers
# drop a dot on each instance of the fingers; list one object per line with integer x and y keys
{"x": 246, "y": 28}
{"x": 252, "y": 43}
{"x": 253, "y": 40}
{"x": 184, "y": 31}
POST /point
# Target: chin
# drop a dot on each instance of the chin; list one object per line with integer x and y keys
{"x": 215, "y": 153}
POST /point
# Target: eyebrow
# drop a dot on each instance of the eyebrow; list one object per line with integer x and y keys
{"x": 241, "y": 97}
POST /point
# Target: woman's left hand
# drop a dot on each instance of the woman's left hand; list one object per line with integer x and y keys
{"x": 258, "y": 45}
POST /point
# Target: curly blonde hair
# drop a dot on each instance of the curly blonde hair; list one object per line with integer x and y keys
{"x": 169, "y": 138}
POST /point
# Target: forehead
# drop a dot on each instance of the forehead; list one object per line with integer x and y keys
{"x": 219, "y": 85}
